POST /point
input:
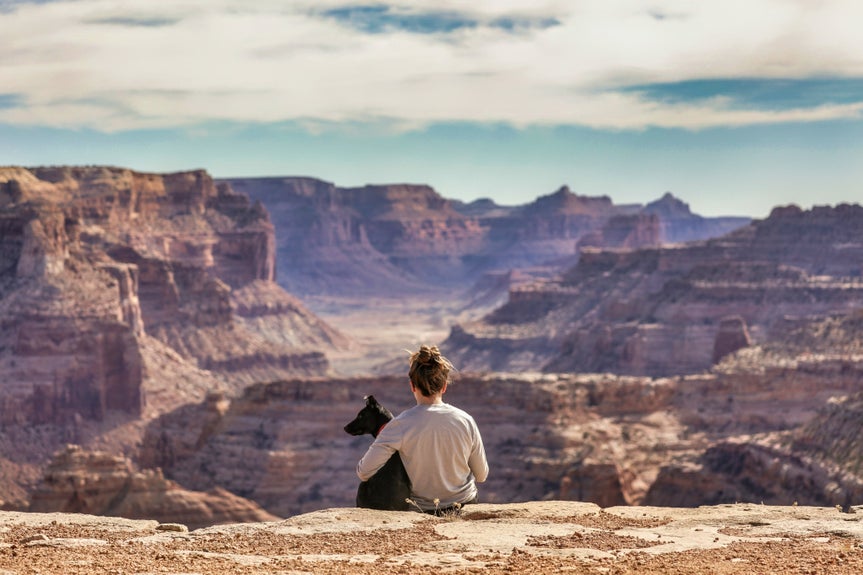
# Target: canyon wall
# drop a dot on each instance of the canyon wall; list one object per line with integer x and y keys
{"x": 99, "y": 483}
{"x": 602, "y": 438}
{"x": 125, "y": 294}
{"x": 141, "y": 316}
{"x": 668, "y": 310}
{"x": 390, "y": 240}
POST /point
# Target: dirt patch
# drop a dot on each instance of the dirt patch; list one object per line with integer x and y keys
{"x": 602, "y": 540}
{"x": 612, "y": 522}
{"x": 382, "y": 542}
{"x": 796, "y": 555}
{"x": 530, "y": 539}
{"x": 17, "y": 535}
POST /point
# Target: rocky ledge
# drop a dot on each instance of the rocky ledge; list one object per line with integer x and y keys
{"x": 533, "y": 537}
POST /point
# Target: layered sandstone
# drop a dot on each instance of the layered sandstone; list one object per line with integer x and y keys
{"x": 124, "y": 295}
{"x": 387, "y": 240}
{"x": 666, "y": 310}
{"x": 99, "y": 483}
{"x": 601, "y": 438}
{"x": 370, "y": 240}
{"x": 679, "y": 225}
{"x": 121, "y": 254}
{"x": 625, "y": 231}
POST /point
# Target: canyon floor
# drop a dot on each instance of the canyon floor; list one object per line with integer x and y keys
{"x": 384, "y": 332}
{"x": 534, "y": 537}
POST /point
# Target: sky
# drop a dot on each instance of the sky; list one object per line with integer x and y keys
{"x": 733, "y": 106}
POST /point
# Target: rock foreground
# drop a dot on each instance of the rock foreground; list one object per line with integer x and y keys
{"x": 533, "y": 537}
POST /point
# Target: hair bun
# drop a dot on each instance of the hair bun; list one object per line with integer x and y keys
{"x": 428, "y": 355}
{"x": 429, "y": 371}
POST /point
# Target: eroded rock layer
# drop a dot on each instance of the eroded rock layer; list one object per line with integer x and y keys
{"x": 99, "y": 483}
{"x": 601, "y": 438}
{"x": 675, "y": 310}
{"x": 126, "y": 294}
{"x": 385, "y": 240}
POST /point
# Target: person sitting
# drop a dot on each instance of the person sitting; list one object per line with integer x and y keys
{"x": 440, "y": 444}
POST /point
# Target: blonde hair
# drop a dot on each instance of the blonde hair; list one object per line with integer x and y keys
{"x": 429, "y": 371}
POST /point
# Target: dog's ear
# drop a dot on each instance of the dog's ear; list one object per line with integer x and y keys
{"x": 371, "y": 401}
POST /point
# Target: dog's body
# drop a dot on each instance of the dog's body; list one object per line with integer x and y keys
{"x": 390, "y": 487}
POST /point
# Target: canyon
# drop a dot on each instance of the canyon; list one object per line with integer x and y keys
{"x": 660, "y": 311}
{"x": 123, "y": 295}
{"x": 171, "y": 341}
{"x": 396, "y": 240}
{"x": 735, "y": 434}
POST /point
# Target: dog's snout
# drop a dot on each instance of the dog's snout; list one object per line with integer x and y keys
{"x": 353, "y": 429}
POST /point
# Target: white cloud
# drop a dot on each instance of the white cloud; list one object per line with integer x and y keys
{"x": 115, "y": 65}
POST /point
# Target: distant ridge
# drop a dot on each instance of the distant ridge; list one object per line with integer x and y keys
{"x": 396, "y": 239}
{"x": 659, "y": 310}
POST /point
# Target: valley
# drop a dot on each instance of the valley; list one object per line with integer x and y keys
{"x": 171, "y": 341}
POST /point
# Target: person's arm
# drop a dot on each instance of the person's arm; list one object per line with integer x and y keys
{"x": 477, "y": 461}
{"x": 378, "y": 453}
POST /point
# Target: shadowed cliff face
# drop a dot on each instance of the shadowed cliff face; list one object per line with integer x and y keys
{"x": 660, "y": 311}
{"x": 129, "y": 293}
{"x": 817, "y": 463}
{"x": 390, "y": 240}
{"x": 606, "y": 439}
{"x": 99, "y": 483}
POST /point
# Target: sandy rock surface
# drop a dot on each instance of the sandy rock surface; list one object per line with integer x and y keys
{"x": 535, "y": 537}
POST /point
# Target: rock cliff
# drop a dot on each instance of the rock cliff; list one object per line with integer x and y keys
{"x": 387, "y": 240}
{"x": 99, "y": 483}
{"x": 126, "y": 294}
{"x": 736, "y": 434}
{"x": 679, "y": 225}
{"x": 140, "y": 317}
{"x": 669, "y": 310}
{"x": 815, "y": 462}
{"x": 625, "y": 231}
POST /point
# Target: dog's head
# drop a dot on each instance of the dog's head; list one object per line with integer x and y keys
{"x": 370, "y": 419}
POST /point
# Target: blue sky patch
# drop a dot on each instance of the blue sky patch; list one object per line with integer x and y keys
{"x": 758, "y": 93}
{"x": 378, "y": 19}
{"x": 8, "y": 101}
{"x": 511, "y": 24}
{"x": 10, "y": 5}
{"x": 136, "y": 22}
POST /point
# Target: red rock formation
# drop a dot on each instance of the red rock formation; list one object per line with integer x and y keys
{"x": 125, "y": 254}
{"x": 347, "y": 241}
{"x": 396, "y": 239}
{"x": 98, "y": 483}
{"x": 732, "y": 336}
{"x": 816, "y": 459}
{"x": 626, "y": 231}
{"x": 601, "y": 438}
{"x": 123, "y": 295}
{"x": 594, "y": 482}
{"x": 658, "y": 311}
{"x": 679, "y": 224}
{"x": 754, "y": 471}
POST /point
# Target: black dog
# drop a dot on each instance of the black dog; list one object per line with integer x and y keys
{"x": 390, "y": 487}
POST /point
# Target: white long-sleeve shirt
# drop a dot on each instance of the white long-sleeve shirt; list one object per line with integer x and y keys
{"x": 442, "y": 452}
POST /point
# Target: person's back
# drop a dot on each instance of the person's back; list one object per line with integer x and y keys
{"x": 440, "y": 445}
